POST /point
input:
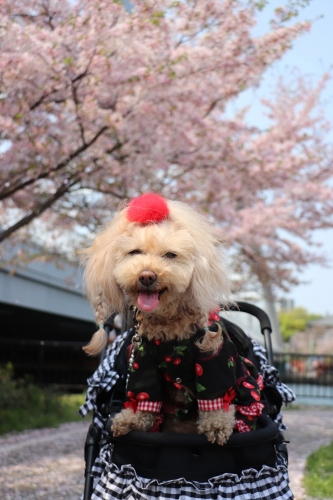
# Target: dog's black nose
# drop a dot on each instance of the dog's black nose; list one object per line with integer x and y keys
{"x": 147, "y": 278}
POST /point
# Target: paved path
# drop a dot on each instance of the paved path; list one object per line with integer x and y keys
{"x": 44, "y": 464}
{"x": 48, "y": 464}
{"x": 308, "y": 428}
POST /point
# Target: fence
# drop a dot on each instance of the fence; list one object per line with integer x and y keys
{"x": 64, "y": 363}
{"x": 309, "y": 375}
{"x": 48, "y": 362}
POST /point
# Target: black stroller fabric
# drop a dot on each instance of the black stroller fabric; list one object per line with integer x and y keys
{"x": 116, "y": 479}
{"x": 163, "y": 456}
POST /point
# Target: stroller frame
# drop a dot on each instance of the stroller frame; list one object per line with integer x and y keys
{"x": 267, "y": 434}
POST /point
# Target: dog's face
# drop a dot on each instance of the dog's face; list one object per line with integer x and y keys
{"x": 154, "y": 265}
{"x": 169, "y": 266}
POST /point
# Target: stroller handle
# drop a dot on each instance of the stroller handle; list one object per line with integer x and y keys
{"x": 263, "y": 318}
{"x": 265, "y": 324}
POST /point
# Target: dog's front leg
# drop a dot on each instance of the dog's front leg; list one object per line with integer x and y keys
{"x": 127, "y": 421}
{"x": 217, "y": 425}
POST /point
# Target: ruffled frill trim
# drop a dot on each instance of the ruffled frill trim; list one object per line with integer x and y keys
{"x": 267, "y": 483}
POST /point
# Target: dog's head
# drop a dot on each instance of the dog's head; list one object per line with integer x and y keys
{"x": 155, "y": 255}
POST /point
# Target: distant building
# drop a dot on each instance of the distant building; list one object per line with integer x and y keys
{"x": 284, "y": 304}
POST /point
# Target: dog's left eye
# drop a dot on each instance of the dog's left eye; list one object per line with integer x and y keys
{"x": 135, "y": 252}
{"x": 170, "y": 255}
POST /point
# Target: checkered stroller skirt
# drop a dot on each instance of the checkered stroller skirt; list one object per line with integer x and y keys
{"x": 124, "y": 483}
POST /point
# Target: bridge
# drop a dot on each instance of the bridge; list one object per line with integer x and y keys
{"x": 43, "y": 301}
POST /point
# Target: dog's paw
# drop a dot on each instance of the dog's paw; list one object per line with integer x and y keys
{"x": 127, "y": 421}
{"x": 217, "y": 425}
{"x": 123, "y": 422}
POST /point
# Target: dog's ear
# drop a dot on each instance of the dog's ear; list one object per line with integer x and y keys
{"x": 210, "y": 284}
{"x": 104, "y": 293}
{"x": 97, "y": 343}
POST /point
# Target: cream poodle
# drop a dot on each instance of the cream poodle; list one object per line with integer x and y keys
{"x": 163, "y": 259}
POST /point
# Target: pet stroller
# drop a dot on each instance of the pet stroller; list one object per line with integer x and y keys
{"x": 145, "y": 465}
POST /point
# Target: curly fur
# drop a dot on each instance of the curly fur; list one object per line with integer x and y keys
{"x": 127, "y": 421}
{"x": 217, "y": 425}
{"x": 189, "y": 285}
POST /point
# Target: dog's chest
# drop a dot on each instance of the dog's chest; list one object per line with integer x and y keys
{"x": 166, "y": 370}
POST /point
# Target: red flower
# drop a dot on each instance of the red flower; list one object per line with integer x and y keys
{"x": 131, "y": 404}
{"x": 255, "y": 395}
{"x": 143, "y": 396}
{"x": 229, "y": 395}
{"x": 248, "y": 386}
{"x": 198, "y": 369}
{"x": 177, "y": 361}
{"x": 168, "y": 359}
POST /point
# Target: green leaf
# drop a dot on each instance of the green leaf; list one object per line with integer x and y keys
{"x": 180, "y": 350}
{"x": 200, "y": 387}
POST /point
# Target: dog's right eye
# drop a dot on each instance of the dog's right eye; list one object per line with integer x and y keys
{"x": 170, "y": 255}
{"x": 135, "y": 252}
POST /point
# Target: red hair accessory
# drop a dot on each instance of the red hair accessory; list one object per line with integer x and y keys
{"x": 147, "y": 209}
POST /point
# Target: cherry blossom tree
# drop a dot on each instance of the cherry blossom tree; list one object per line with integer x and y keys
{"x": 99, "y": 104}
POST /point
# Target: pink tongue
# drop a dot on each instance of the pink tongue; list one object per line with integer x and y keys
{"x": 147, "y": 301}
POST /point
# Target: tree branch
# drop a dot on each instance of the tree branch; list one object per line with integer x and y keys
{"x": 8, "y": 192}
{"x": 39, "y": 210}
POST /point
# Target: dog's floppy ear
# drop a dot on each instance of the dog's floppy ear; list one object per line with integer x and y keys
{"x": 104, "y": 293}
{"x": 209, "y": 286}
{"x": 210, "y": 281}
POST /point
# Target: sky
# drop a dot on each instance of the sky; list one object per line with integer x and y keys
{"x": 312, "y": 54}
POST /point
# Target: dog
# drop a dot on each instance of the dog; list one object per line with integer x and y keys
{"x": 163, "y": 259}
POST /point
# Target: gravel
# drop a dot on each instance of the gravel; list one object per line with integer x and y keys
{"x": 44, "y": 464}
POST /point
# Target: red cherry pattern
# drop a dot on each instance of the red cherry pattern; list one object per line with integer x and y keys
{"x": 255, "y": 395}
{"x": 157, "y": 342}
{"x": 198, "y": 369}
{"x": 168, "y": 359}
{"x": 248, "y": 386}
{"x": 177, "y": 361}
{"x": 135, "y": 366}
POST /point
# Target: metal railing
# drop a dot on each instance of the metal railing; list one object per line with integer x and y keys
{"x": 310, "y": 375}
{"x": 49, "y": 362}
{"x": 64, "y": 363}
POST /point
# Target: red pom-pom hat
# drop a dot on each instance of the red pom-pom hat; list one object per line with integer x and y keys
{"x": 148, "y": 209}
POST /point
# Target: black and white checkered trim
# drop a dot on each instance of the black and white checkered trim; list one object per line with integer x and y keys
{"x": 124, "y": 484}
{"x": 272, "y": 379}
{"x": 104, "y": 378}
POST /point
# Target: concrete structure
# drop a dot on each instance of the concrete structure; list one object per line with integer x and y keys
{"x": 43, "y": 301}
